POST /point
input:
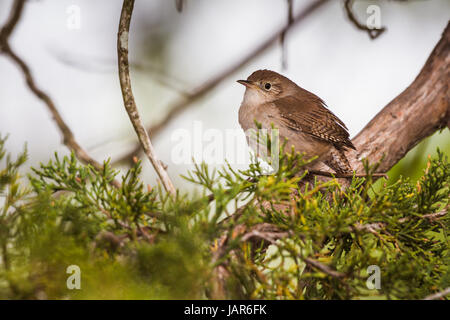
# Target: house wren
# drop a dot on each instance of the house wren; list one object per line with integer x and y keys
{"x": 299, "y": 115}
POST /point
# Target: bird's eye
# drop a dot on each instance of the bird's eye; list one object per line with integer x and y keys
{"x": 267, "y": 86}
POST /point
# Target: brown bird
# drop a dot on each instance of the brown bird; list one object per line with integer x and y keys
{"x": 299, "y": 115}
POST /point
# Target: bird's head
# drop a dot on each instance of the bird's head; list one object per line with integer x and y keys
{"x": 268, "y": 85}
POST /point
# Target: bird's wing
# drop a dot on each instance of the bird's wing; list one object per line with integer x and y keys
{"x": 308, "y": 114}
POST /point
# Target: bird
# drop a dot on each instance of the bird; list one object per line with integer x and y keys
{"x": 301, "y": 117}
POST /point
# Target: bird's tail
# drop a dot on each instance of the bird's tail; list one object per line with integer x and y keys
{"x": 337, "y": 161}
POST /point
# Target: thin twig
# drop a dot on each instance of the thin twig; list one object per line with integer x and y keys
{"x": 68, "y": 136}
{"x": 346, "y": 175}
{"x": 290, "y": 18}
{"x": 437, "y": 215}
{"x": 431, "y": 84}
{"x": 10, "y": 24}
{"x": 128, "y": 98}
{"x": 265, "y": 231}
{"x": 438, "y": 295}
{"x": 322, "y": 267}
{"x": 184, "y": 103}
{"x": 373, "y": 33}
{"x": 372, "y": 227}
{"x": 179, "y": 4}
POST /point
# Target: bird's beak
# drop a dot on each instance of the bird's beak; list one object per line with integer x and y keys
{"x": 247, "y": 83}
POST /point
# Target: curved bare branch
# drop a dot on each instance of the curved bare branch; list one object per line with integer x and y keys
{"x": 128, "y": 98}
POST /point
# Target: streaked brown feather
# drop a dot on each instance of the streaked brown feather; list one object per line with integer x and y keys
{"x": 307, "y": 113}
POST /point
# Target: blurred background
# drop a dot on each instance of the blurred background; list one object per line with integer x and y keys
{"x": 70, "y": 46}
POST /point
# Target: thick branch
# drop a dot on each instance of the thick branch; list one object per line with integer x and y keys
{"x": 128, "y": 98}
{"x": 416, "y": 113}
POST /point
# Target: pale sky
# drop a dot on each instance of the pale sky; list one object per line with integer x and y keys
{"x": 326, "y": 55}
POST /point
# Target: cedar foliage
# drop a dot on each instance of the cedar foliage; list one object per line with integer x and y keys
{"x": 137, "y": 242}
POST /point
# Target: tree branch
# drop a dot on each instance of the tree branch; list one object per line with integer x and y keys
{"x": 14, "y": 17}
{"x": 128, "y": 98}
{"x": 416, "y": 113}
{"x": 373, "y": 227}
{"x": 184, "y": 103}
{"x": 290, "y": 19}
{"x": 179, "y": 5}
{"x": 344, "y": 175}
{"x": 68, "y": 137}
{"x": 324, "y": 268}
{"x": 438, "y": 295}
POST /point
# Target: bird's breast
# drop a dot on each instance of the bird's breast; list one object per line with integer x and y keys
{"x": 254, "y": 106}
{"x": 267, "y": 114}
